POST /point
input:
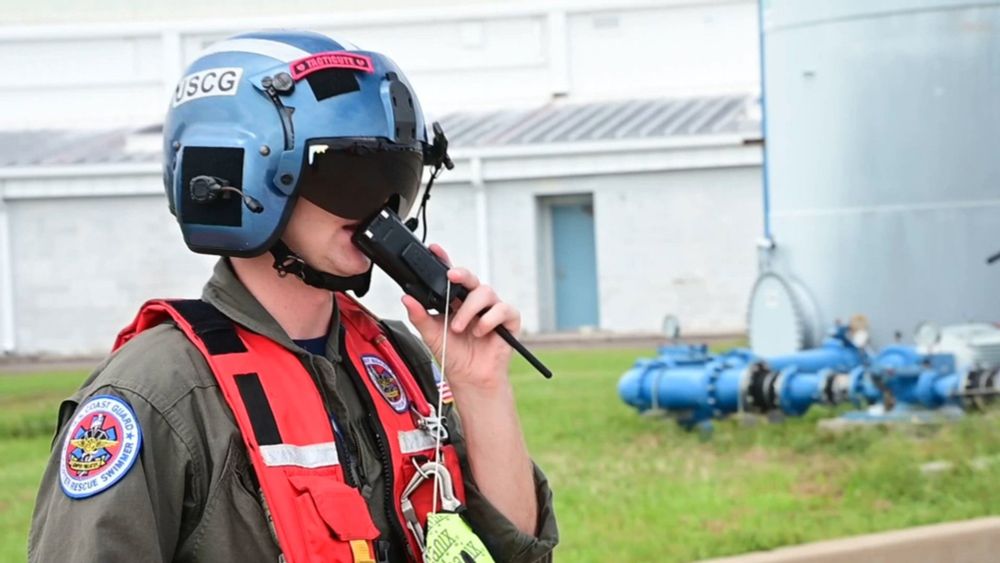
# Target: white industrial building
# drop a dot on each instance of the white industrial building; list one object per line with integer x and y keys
{"x": 607, "y": 161}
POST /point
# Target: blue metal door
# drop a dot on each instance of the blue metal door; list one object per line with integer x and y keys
{"x": 575, "y": 264}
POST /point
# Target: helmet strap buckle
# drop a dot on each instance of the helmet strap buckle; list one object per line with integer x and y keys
{"x": 290, "y": 264}
{"x": 287, "y": 262}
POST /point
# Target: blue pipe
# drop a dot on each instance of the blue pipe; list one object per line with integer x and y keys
{"x": 837, "y": 352}
{"x": 912, "y": 378}
{"x": 833, "y": 354}
{"x": 693, "y": 393}
{"x": 862, "y": 389}
{"x": 695, "y": 387}
{"x": 799, "y": 390}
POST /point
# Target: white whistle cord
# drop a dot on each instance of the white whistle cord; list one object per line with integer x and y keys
{"x": 440, "y": 403}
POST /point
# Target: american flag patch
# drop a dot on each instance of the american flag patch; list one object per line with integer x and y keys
{"x": 443, "y": 389}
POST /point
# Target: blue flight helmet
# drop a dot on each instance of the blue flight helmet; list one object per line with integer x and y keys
{"x": 262, "y": 118}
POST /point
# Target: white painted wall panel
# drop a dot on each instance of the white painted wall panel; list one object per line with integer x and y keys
{"x": 82, "y": 267}
{"x": 677, "y": 243}
{"x": 518, "y": 57}
{"x": 681, "y": 51}
{"x": 667, "y": 242}
{"x": 85, "y": 107}
{"x": 73, "y": 62}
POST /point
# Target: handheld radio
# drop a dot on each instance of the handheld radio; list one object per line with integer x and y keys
{"x": 397, "y": 251}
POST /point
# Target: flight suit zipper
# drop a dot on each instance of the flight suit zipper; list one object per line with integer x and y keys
{"x": 381, "y": 444}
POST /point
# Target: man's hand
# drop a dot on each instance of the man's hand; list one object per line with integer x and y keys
{"x": 477, "y": 356}
{"x": 476, "y": 369}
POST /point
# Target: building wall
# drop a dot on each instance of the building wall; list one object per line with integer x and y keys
{"x": 459, "y": 58}
{"x": 667, "y": 242}
{"x": 82, "y": 266}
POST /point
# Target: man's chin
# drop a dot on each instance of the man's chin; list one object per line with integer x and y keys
{"x": 348, "y": 270}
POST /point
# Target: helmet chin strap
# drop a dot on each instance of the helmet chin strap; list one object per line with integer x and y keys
{"x": 287, "y": 262}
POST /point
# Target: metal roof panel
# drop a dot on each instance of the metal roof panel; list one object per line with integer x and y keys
{"x": 605, "y": 121}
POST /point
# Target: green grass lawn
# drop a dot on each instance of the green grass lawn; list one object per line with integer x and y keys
{"x": 638, "y": 488}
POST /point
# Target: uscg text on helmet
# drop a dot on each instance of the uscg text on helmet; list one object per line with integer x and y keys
{"x": 223, "y": 81}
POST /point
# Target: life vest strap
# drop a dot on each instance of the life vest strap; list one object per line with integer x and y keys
{"x": 258, "y": 408}
{"x": 215, "y": 330}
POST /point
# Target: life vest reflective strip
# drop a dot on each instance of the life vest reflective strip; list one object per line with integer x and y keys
{"x": 317, "y": 516}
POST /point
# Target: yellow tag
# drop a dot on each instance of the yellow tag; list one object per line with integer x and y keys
{"x": 361, "y": 552}
{"x": 451, "y": 540}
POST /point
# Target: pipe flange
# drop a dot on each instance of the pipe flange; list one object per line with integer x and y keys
{"x": 783, "y": 378}
{"x": 753, "y": 390}
{"x": 980, "y": 388}
{"x": 713, "y": 373}
{"x": 826, "y": 390}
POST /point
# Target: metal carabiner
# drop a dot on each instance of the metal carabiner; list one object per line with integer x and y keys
{"x": 446, "y": 490}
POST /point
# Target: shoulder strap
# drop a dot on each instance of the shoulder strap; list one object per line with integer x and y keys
{"x": 215, "y": 330}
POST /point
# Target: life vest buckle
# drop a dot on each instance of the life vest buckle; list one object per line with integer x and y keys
{"x": 432, "y": 424}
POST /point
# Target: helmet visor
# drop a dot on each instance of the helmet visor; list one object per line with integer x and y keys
{"x": 354, "y": 178}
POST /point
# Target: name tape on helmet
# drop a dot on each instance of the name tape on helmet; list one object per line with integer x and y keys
{"x": 332, "y": 59}
{"x": 223, "y": 81}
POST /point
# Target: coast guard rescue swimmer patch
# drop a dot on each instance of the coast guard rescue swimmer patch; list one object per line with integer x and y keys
{"x": 386, "y": 382}
{"x": 101, "y": 445}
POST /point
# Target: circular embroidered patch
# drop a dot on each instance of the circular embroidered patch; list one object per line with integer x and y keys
{"x": 386, "y": 382}
{"x": 101, "y": 445}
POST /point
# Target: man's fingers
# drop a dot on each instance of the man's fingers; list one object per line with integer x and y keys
{"x": 427, "y": 325}
{"x": 440, "y": 253}
{"x": 463, "y": 277}
{"x": 478, "y": 300}
{"x": 499, "y": 314}
{"x": 459, "y": 276}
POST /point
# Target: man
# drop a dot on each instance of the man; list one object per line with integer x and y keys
{"x": 276, "y": 419}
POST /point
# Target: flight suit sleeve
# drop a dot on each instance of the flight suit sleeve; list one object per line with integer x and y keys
{"x": 136, "y": 518}
{"x": 501, "y": 536}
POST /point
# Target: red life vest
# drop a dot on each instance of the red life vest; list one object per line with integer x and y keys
{"x": 317, "y": 515}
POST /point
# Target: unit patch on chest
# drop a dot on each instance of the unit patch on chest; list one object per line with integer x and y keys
{"x": 386, "y": 382}
{"x": 101, "y": 445}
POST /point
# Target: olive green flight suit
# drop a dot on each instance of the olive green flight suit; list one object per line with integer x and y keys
{"x": 191, "y": 495}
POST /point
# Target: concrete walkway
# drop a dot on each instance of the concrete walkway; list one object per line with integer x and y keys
{"x": 20, "y": 364}
{"x": 970, "y": 541}
{"x": 576, "y": 340}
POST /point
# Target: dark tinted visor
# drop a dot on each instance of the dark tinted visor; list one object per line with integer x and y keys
{"x": 355, "y": 178}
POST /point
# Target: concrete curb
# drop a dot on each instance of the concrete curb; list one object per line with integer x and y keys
{"x": 970, "y": 541}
